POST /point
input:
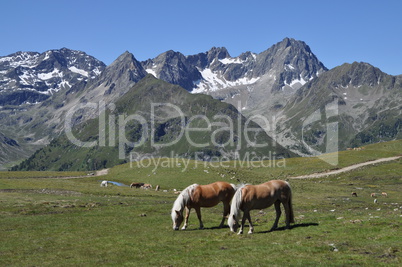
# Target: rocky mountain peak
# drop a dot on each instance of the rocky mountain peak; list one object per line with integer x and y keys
{"x": 31, "y": 77}
{"x": 119, "y": 76}
{"x": 218, "y": 53}
{"x": 126, "y": 58}
{"x": 173, "y": 67}
{"x": 360, "y": 73}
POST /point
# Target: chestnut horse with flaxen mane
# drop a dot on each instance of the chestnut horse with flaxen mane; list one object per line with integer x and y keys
{"x": 251, "y": 197}
{"x": 197, "y": 196}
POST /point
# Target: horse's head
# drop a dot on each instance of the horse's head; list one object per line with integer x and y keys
{"x": 177, "y": 218}
{"x": 233, "y": 223}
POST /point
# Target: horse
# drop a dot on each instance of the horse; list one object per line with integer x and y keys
{"x": 136, "y": 185}
{"x": 197, "y": 196}
{"x": 251, "y": 197}
{"x": 146, "y": 186}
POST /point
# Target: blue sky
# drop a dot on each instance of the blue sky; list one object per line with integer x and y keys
{"x": 336, "y": 31}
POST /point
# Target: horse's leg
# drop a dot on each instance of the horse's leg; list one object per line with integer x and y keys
{"x": 198, "y": 210}
{"x": 186, "y": 218}
{"x": 251, "y": 224}
{"x": 278, "y": 214}
{"x": 226, "y": 211}
{"x": 243, "y": 221}
{"x": 286, "y": 206}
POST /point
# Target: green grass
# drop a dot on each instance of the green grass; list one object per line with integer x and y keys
{"x": 40, "y": 174}
{"x": 75, "y": 222}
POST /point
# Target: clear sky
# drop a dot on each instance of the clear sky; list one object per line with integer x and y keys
{"x": 336, "y": 31}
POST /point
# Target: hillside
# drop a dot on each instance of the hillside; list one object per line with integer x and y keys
{"x": 354, "y": 104}
{"x": 155, "y": 118}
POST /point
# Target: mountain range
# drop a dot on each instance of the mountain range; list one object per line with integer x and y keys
{"x": 136, "y": 128}
{"x": 31, "y": 77}
{"x": 280, "y": 89}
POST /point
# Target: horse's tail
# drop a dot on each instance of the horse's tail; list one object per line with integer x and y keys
{"x": 291, "y": 214}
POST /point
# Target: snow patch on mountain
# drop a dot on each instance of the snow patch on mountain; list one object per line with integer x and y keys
{"x": 23, "y": 59}
{"x": 79, "y": 71}
{"x": 231, "y": 61}
{"x": 151, "y": 71}
{"x": 49, "y": 75}
{"x": 214, "y": 81}
{"x": 296, "y": 82}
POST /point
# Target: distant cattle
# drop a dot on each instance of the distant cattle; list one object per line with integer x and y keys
{"x": 103, "y": 184}
{"x": 384, "y": 194}
{"x": 354, "y": 194}
{"x": 373, "y": 195}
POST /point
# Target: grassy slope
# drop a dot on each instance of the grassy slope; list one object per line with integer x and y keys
{"x": 68, "y": 222}
{"x": 62, "y": 154}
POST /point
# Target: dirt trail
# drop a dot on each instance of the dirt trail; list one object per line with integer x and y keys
{"x": 97, "y": 173}
{"x": 345, "y": 169}
{"x": 313, "y": 175}
{"x": 102, "y": 172}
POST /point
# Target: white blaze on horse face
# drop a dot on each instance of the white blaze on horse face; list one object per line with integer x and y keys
{"x": 232, "y": 222}
{"x": 177, "y": 220}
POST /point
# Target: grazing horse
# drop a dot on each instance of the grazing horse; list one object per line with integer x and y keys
{"x": 146, "y": 186}
{"x": 251, "y": 197}
{"x": 136, "y": 185}
{"x": 197, "y": 196}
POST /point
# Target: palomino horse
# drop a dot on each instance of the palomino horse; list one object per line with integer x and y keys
{"x": 251, "y": 197}
{"x": 197, "y": 196}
